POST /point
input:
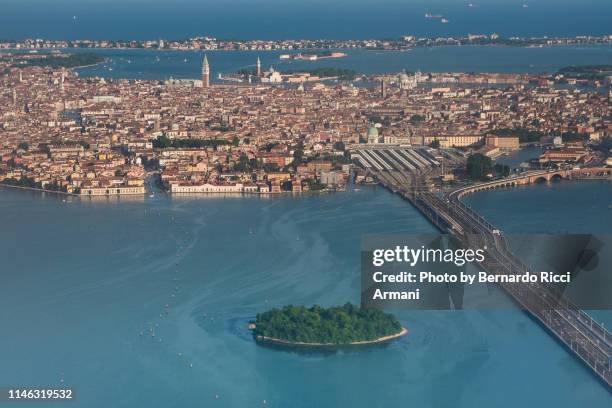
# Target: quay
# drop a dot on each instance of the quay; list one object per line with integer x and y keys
{"x": 404, "y": 174}
{"x": 298, "y": 344}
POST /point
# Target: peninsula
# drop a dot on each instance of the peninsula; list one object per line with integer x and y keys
{"x": 316, "y": 326}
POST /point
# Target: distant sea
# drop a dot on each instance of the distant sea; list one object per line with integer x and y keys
{"x": 278, "y": 19}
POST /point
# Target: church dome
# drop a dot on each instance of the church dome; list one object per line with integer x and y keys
{"x": 372, "y": 131}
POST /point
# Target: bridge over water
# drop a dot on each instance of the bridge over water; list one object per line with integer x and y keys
{"x": 589, "y": 341}
{"x": 597, "y": 173}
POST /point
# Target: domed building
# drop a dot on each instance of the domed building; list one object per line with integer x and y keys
{"x": 406, "y": 82}
{"x": 372, "y": 135}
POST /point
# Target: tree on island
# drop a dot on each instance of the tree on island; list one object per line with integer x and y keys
{"x": 336, "y": 325}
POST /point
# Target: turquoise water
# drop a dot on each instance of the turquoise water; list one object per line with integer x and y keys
{"x": 579, "y": 207}
{"x": 583, "y": 207}
{"x": 155, "y": 64}
{"x": 86, "y": 284}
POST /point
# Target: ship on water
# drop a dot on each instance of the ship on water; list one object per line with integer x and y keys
{"x": 429, "y": 15}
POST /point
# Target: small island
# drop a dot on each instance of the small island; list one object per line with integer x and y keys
{"x": 316, "y": 326}
{"x": 78, "y": 60}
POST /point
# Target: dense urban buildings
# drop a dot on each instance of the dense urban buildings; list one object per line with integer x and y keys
{"x": 96, "y": 136}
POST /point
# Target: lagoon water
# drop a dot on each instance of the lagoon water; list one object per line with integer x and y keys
{"x": 145, "y": 302}
{"x": 160, "y": 65}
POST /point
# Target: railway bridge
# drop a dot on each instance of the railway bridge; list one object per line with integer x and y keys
{"x": 585, "y": 338}
{"x": 547, "y": 176}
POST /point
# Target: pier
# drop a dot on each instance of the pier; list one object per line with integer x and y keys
{"x": 404, "y": 173}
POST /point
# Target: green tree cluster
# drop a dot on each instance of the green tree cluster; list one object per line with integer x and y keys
{"x": 335, "y": 325}
{"x": 164, "y": 142}
{"x": 245, "y": 164}
{"x": 479, "y": 166}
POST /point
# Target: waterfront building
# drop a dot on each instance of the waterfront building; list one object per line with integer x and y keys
{"x": 89, "y": 190}
{"x": 296, "y": 185}
{"x": 213, "y": 188}
{"x": 272, "y": 76}
{"x": 276, "y": 188}
{"x": 503, "y": 142}
{"x": 332, "y": 178}
{"x": 569, "y": 154}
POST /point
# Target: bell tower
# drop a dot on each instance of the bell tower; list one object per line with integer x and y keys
{"x": 205, "y": 73}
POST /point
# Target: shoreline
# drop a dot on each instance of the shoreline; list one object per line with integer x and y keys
{"x": 198, "y": 194}
{"x": 281, "y": 50}
{"x": 41, "y": 190}
{"x": 245, "y": 194}
{"x": 297, "y": 344}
